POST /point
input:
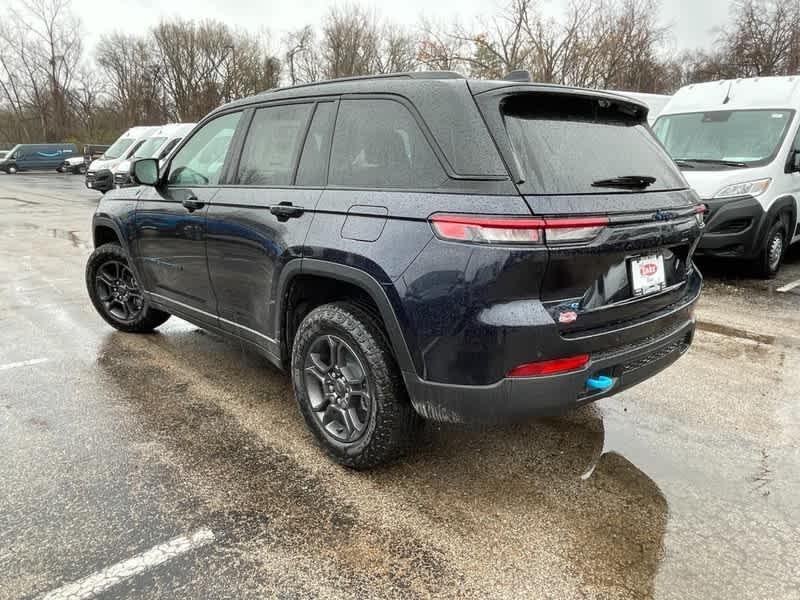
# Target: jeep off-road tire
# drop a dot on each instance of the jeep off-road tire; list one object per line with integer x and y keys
{"x": 349, "y": 387}
{"x": 117, "y": 295}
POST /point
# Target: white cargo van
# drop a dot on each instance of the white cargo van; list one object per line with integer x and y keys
{"x": 738, "y": 144}
{"x": 99, "y": 176}
{"x": 158, "y": 145}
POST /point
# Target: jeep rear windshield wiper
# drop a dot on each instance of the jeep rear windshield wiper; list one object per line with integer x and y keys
{"x": 709, "y": 161}
{"x": 626, "y": 181}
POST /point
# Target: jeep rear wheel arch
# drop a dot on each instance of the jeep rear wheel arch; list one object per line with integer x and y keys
{"x": 368, "y": 284}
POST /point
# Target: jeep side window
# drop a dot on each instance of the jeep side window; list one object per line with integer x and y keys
{"x": 272, "y": 144}
{"x": 314, "y": 161}
{"x": 200, "y": 160}
{"x": 377, "y": 143}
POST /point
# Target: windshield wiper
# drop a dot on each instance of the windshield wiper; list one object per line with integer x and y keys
{"x": 711, "y": 161}
{"x": 627, "y": 181}
{"x": 682, "y": 162}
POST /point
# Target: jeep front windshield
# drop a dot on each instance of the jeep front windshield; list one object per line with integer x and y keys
{"x": 149, "y": 148}
{"x": 724, "y": 138}
{"x": 118, "y": 148}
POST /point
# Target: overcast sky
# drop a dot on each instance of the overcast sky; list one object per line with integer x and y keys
{"x": 693, "y": 20}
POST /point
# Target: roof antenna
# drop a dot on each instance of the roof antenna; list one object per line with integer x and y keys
{"x": 728, "y": 93}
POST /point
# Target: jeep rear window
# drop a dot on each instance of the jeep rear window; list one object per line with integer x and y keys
{"x": 563, "y": 144}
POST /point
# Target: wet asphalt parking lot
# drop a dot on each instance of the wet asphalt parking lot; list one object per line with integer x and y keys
{"x": 176, "y": 465}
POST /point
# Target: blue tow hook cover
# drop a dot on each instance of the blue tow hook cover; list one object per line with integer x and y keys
{"x": 599, "y": 382}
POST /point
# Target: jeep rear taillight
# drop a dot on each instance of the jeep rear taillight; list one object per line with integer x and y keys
{"x": 489, "y": 230}
{"x": 573, "y": 229}
{"x": 513, "y": 230}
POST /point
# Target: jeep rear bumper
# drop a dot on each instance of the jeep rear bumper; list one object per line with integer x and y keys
{"x": 518, "y": 398}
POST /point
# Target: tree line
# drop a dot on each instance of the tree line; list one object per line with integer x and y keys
{"x": 52, "y": 88}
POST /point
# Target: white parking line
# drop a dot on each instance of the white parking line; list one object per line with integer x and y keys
{"x": 97, "y": 583}
{"x": 24, "y": 363}
{"x": 790, "y": 286}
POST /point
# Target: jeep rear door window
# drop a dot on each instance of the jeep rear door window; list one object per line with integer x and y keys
{"x": 570, "y": 144}
{"x": 314, "y": 160}
{"x": 272, "y": 145}
{"x": 378, "y": 144}
{"x": 749, "y": 137}
{"x": 200, "y": 160}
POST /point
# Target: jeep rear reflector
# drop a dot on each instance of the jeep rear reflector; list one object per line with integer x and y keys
{"x": 550, "y": 367}
{"x": 514, "y": 230}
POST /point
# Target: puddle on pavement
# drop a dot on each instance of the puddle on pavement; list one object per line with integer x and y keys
{"x": 70, "y": 236}
{"x": 20, "y": 200}
{"x": 522, "y": 489}
{"x": 728, "y": 331}
{"x": 759, "y": 344}
{"x": 253, "y": 488}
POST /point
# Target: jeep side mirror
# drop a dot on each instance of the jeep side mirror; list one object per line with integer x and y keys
{"x": 796, "y": 161}
{"x": 145, "y": 171}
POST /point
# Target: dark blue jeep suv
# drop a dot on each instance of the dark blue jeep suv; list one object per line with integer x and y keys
{"x": 415, "y": 245}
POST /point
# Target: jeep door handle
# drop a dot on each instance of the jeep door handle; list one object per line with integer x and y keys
{"x": 285, "y": 211}
{"x": 192, "y": 203}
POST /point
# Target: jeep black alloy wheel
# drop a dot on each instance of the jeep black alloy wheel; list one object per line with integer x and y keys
{"x": 349, "y": 387}
{"x": 338, "y": 388}
{"x": 117, "y": 289}
{"x": 117, "y": 294}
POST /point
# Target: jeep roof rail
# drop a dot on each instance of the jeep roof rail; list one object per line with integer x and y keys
{"x": 404, "y": 75}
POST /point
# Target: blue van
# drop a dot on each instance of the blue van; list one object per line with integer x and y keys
{"x": 27, "y": 157}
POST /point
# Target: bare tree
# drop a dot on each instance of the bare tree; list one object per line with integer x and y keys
{"x": 86, "y": 96}
{"x": 699, "y": 66}
{"x": 181, "y": 69}
{"x": 596, "y": 43}
{"x": 441, "y": 49}
{"x": 396, "y": 50}
{"x": 555, "y": 45}
{"x": 203, "y": 64}
{"x": 131, "y": 64}
{"x": 41, "y": 50}
{"x": 302, "y": 56}
{"x": 764, "y": 38}
{"x": 504, "y": 44}
{"x": 349, "y": 44}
